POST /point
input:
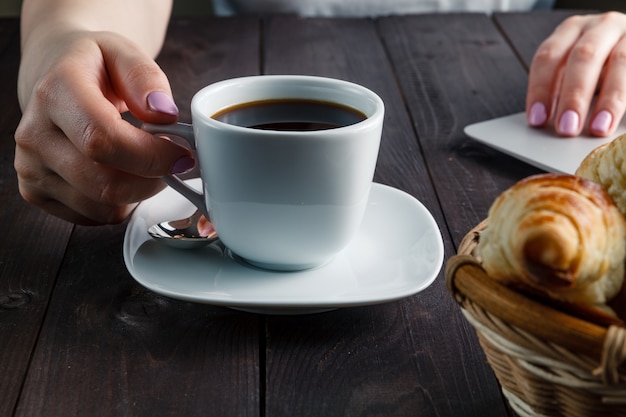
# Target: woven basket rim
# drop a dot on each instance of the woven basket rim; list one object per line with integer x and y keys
{"x": 605, "y": 360}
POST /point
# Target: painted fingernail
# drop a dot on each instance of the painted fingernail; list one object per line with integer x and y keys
{"x": 568, "y": 125}
{"x": 537, "y": 115}
{"x": 162, "y": 103}
{"x": 184, "y": 164}
{"x": 602, "y": 122}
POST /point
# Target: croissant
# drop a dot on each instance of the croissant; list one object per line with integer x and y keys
{"x": 606, "y": 165}
{"x": 558, "y": 235}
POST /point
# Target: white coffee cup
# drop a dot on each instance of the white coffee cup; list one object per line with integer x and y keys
{"x": 282, "y": 199}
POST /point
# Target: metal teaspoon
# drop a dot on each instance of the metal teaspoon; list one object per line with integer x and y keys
{"x": 192, "y": 232}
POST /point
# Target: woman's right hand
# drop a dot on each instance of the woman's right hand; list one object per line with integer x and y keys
{"x": 75, "y": 156}
{"x": 584, "y": 55}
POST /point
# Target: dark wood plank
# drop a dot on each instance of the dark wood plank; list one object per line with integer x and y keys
{"x": 9, "y": 33}
{"x": 414, "y": 357}
{"x": 602, "y": 5}
{"x": 199, "y": 52}
{"x": 109, "y": 347}
{"x": 526, "y": 31}
{"x": 457, "y": 70}
{"x": 32, "y": 246}
{"x": 350, "y": 49}
{"x": 463, "y": 71}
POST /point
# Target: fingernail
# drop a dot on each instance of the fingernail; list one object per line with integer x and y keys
{"x": 184, "y": 164}
{"x": 568, "y": 125}
{"x": 162, "y": 103}
{"x": 602, "y": 122}
{"x": 537, "y": 115}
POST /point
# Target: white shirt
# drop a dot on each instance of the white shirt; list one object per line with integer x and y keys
{"x": 360, "y": 8}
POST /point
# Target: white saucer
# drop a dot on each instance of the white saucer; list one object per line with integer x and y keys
{"x": 397, "y": 252}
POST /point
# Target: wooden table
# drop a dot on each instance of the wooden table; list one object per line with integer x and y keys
{"x": 79, "y": 337}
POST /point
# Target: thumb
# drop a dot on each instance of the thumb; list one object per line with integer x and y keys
{"x": 139, "y": 81}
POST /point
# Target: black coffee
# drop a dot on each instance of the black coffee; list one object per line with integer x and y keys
{"x": 290, "y": 114}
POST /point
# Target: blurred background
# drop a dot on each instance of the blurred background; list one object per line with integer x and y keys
{"x": 11, "y": 8}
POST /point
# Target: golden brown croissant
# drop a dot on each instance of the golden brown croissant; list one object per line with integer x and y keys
{"x": 558, "y": 235}
{"x": 606, "y": 165}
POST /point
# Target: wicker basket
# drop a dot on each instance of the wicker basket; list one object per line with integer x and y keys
{"x": 548, "y": 363}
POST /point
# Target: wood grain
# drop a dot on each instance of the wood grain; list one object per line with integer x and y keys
{"x": 526, "y": 33}
{"x": 378, "y": 360}
{"x": 199, "y": 52}
{"x": 456, "y": 72}
{"x": 78, "y": 336}
{"x": 32, "y": 246}
{"x": 109, "y": 347}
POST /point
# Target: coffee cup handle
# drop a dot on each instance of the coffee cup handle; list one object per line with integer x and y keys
{"x": 183, "y": 131}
